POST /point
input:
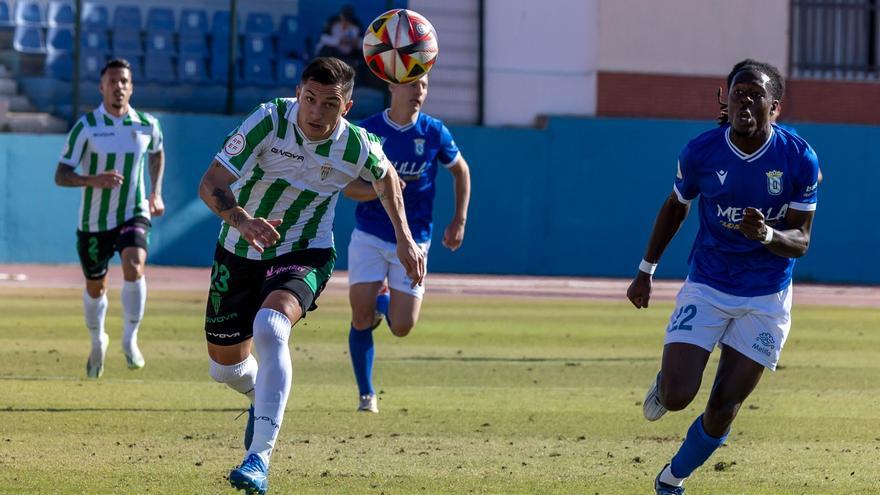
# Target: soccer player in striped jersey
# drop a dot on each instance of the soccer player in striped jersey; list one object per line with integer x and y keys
{"x": 275, "y": 184}
{"x": 418, "y": 145}
{"x": 113, "y": 144}
{"x": 757, "y": 185}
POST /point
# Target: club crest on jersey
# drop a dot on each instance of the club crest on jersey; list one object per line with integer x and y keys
{"x": 325, "y": 170}
{"x": 774, "y": 182}
{"x": 420, "y": 146}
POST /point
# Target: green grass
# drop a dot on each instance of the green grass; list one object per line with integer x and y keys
{"x": 488, "y": 395}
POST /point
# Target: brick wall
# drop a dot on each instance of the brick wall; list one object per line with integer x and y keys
{"x": 693, "y": 97}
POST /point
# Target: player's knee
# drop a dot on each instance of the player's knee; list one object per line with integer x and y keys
{"x": 363, "y": 319}
{"x": 271, "y": 326}
{"x": 675, "y": 398}
{"x": 132, "y": 269}
{"x": 96, "y": 288}
{"x": 401, "y": 328}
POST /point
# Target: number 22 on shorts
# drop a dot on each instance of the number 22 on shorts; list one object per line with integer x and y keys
{"x": 682, "y": 318}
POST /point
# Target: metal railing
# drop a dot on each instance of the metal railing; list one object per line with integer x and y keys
{"x": 834, "y": 39}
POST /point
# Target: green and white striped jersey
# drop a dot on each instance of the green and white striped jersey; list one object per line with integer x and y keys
{"x": 101, "y": 142}
{"x": 284, "y": 176}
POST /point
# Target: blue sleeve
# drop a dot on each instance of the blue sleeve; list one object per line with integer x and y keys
{"x": 806, "y": 183}
{"x": 448, "y": 150}
{"x": 686, "y": 185}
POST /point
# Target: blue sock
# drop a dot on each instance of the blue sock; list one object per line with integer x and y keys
{"x": 360, "y": 347}
{"x": 382, "y": 303}
{"x": 697, "y": 447}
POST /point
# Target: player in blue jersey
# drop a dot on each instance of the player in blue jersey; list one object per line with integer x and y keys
{"x": 757, "y": 186}
{"x": 417, "y": 144}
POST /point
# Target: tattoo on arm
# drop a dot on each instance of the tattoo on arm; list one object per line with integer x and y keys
{"x": 66, "y": 176}
{"x": 222, "y": 199}
{"x": 236, "y": 218}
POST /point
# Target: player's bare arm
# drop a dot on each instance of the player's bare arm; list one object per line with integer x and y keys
{"x": 361, "y": 190}
{"x": 157, "y": 172}
{"x": 66, "y": 176}
{"x": 214, "y": 191}
{"x": 672, "y": 214}
{"x": 412, "y": 258}
{"x": 461, "y": 178}
{"x": 792, "y": 242}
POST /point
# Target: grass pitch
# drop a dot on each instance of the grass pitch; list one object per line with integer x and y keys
{"x": 488, "y": 395}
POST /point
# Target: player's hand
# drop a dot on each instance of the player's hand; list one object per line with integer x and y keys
{"x": 639, "y": 291}
{"x": 454, "y": 234}
{"x": 753, "y": 226}
{"x": 259, "y": 232}
{"x": 105, "y": 180}
{"x": 412, "y": 258}
{"x": 157, "y": 206}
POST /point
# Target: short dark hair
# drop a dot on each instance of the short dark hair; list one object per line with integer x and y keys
{"x": 116, "y": 63}
{"x": 777, "y": 82}
{"x": 329, "y": 70}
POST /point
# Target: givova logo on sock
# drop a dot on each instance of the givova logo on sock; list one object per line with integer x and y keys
{"x": 270, "y": 420}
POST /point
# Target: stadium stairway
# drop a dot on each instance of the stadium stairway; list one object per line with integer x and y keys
{"x": 17, "y": 114}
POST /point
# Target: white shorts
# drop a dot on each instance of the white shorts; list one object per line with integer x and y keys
{"x": 371, "y": 259}
{"x": 755, "y": 326}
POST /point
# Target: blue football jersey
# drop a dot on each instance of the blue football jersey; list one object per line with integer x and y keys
{"x": 781, "y": 174}
{"x": 416, "y": 150}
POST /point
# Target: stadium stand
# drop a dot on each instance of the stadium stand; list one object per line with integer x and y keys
{"x": 176, "y": 49}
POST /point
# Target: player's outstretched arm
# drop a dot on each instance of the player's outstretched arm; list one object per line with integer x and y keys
{"x": 461, "y": 177}
{"x": 411, "y": 256}
{"x": 361, "y": 190}
{"x": 157, "y": 173}
{"x": 672, "y": 214}
{"x": 66, "y": 176}
{"x": 790, "y": 243}
{"x": 214, "y": 191}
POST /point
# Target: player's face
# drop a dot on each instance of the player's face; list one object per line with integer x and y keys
{"x": 410, "y": 95}
{"x": 116, "y": 88}
{"x": 750, "y": 103}
{"x": 320, "y": 108}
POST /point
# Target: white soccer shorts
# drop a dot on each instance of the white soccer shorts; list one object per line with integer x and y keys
{"x": 755, "y": 326}
{"x": 371, "y": 259}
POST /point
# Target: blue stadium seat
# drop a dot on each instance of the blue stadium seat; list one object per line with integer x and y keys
{"x": 258, "y": 72}
{"x": 28, "y": 13}
{"x": 159, "y": 67}
{"x": 29, "y": 39}
{"x": 59, "y": 65}
{"x": 95, "y": 16}
{"x": 61, "y": 14}
{"x": 160, "y": 19}
{"x": 259, "y": 23}
{"x": 193, "y": 69}
{"x": 258, "y": 46}
{"x": 59, "y": 39}
{"x": 193, "y": 20}
{"x": 91, "y": 63}
{"x": 137, "y": 66}
{"x": 220, "y": 70}
{"x": 193, "y": 43}
{"x": 127, "y": 17}
{"x": 5, "y": 18}
{"x": 94, "y": 40}
{"x": 127, "y": 41}
{"x": 288, "y": 72}
{"x": 160, "y": 42}
{"x": 290, "y": 38}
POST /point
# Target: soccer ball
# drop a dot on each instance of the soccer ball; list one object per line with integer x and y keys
{"x": 400, "y": 46}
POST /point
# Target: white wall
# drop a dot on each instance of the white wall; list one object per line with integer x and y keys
{"x": 692, "y": 37}
{"x": 541, "y": 59}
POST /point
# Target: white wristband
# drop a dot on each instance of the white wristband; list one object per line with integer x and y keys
{"x": 768, "y": 236}
{"x": 648, "y": 268}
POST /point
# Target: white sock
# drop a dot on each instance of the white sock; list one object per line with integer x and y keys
{"x": 95, "y": 310}
{"x": 667, "y": 477}
{"x": 271, "y": 332}
{"x": 134, "y": 298}
{"x": 241, "y": 377}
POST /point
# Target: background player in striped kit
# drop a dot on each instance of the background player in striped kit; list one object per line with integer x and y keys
{"x": 417, "y": 145}
{"x": 275, "y": 184}
{"x": 112, "y": 143}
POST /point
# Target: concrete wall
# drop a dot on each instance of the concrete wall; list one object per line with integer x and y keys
{"x": 576, "y": 198}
